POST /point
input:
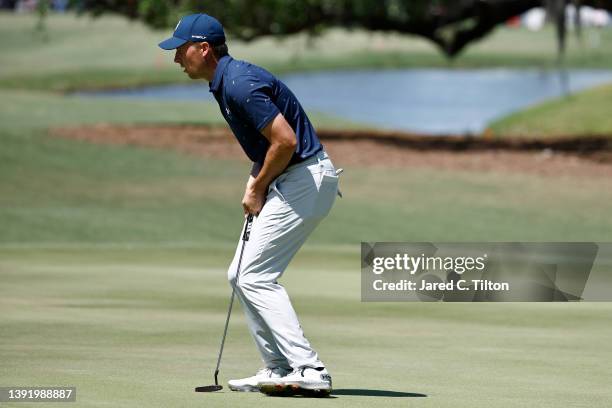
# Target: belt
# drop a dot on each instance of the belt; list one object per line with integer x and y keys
{"x": 320, "y": 155}
{"x": 297, "y": 159}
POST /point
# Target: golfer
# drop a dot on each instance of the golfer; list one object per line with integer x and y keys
{"x": 291, "y": 188}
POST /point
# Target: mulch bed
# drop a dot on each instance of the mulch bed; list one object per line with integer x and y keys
{"x": 562, "y": 156}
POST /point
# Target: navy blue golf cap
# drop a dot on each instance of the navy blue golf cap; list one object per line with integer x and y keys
{"x": 196, "y": 28}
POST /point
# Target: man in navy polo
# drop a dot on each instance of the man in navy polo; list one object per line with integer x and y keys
{"x": 291, "y": 188}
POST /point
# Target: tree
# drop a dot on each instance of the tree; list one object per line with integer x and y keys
{"x": 450, "y": 24}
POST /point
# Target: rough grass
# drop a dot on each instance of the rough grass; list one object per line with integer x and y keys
{"x": 61, "y": 191}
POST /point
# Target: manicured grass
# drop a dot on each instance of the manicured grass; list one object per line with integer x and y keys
{"x": 141, "y": 327}
{"x": 585, "y": 113}
{"x": 27, "y": 110}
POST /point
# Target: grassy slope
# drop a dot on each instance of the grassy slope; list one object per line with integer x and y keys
{"x": 585, "y": 113}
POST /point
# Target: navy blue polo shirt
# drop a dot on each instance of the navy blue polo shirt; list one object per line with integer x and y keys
{"x": 249, "y": 98}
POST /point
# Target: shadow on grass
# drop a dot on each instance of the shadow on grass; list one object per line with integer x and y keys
{"x": 375, "y": 393}
{"x": 346, "y": 391}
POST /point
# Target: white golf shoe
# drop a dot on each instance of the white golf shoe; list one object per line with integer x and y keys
{"x": 308, "y": 381}
{"x": 250, "y": 384}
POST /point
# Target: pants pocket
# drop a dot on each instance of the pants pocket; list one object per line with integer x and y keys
{"x": 328, "y": 189}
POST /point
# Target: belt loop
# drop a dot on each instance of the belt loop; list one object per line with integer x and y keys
{"x": 320, "y": 157}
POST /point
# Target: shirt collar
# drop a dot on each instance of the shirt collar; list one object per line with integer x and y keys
{"x": 221, "y": 65}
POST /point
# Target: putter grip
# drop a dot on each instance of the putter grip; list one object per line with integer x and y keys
{"x": 247, "y": 227}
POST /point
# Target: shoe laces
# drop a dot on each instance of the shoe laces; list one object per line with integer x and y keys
{"x": 267, "y": 371}
{"x": 301, "y": 370}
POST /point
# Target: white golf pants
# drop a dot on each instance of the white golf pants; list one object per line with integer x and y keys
{"x": 296, "y": 202}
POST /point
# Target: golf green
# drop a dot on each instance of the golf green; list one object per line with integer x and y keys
{"x": 140, "y": 327}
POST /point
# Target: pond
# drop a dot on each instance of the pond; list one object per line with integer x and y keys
{"x": 421, "y": 100}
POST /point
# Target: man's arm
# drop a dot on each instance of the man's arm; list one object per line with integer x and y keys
{"x": 255, "y": 169}
{"x": 282, "y": 146}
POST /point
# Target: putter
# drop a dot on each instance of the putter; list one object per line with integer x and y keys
{"x": 245, "y": 238}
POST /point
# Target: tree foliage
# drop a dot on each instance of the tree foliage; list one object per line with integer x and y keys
{"x": 450, "y": 24}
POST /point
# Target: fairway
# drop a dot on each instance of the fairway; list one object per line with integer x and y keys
{"x": 141, "y": 327}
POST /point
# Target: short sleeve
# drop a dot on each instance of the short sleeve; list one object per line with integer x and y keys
{"x": 251, "y": 99}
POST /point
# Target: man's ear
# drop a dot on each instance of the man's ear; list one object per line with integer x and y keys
{"x": 204, "y": 48}
{"x": 207, "y": 51}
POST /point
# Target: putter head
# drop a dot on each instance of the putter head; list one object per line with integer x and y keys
{"x": 209, "y": 388}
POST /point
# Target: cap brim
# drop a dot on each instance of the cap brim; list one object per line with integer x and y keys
{"x": 171, "y": 43}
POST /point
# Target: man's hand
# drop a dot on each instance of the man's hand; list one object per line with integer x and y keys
{"x": 282, "y": 146}
{"x": 253, "y": 199}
